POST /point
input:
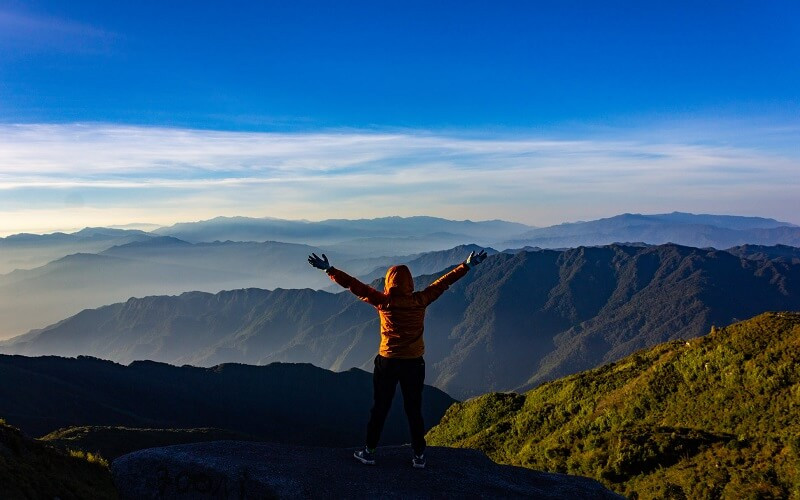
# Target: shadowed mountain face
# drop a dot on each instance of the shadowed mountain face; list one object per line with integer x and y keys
{"x": 780, "y": 253}
{"x": 714, "y": 417}
{"x": 291, "y": 403}
{"x": 718, "y": 231}
{"x": 428, "y": 262}
{"x": 194, "y": 327}
{"x": 513, "y": 322}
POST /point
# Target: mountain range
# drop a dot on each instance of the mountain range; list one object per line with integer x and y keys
{"x": 364, "y": 238}
{"x": 99, "y": 266}
{"x": 696, "y": 230}
{"x": 515, "y": 321}
{"x": 712, "y": 417}
{"x": 165, "y": 265}
{"x": 352, "y": 233}
{"x": 26, "y": 251}
{"x": 392, "y": 236}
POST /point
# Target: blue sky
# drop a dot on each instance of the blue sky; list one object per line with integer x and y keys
{"x": 541, "y": 112}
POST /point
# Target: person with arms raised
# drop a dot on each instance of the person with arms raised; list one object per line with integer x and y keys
{"x": 400, "y": 358}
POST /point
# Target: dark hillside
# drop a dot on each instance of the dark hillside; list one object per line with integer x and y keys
{"x": 31, "y": 469}
{"x": 294, "y": 403}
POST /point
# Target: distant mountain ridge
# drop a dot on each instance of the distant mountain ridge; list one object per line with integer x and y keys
{"x": 334, "y": 231}
{"x": 26, "y": 251}
{"x": 417, "y": 234}
{"x": 515, "y": 321}
{"x": 717, "y": 231}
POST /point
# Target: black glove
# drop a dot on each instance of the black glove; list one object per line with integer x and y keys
{"x": 319, "y": 263}
{"x": 475, "y": 258}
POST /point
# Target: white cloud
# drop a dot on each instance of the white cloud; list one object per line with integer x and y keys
{"x": 362, "y": 173}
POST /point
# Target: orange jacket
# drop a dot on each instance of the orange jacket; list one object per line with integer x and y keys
{"x": 401, "y": 309}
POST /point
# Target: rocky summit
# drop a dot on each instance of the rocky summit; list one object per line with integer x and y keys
{"x": 236, "y": 469}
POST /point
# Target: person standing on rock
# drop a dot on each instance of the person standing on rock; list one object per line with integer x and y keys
{"x": 402, "y": 314}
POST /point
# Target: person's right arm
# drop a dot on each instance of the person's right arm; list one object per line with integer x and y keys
{"x": 359, "y": 289}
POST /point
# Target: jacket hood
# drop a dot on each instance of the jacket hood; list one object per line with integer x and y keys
{"x": 398, "y": 281}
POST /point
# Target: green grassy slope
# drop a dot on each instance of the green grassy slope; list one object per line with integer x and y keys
{"x": 31, "y": 469}
{"x": 715, "y": 417}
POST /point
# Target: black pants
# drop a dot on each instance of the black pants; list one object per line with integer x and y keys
{"x": 411, "y": 375}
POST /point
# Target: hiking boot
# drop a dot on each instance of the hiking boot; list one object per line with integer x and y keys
{"x": 419, "y": 461}
{"x": 365, "y": 456}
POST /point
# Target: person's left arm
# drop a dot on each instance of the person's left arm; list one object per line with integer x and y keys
{"x": 438, "y": 287}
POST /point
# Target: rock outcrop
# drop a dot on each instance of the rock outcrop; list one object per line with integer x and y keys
{"x": 235, "y": 469}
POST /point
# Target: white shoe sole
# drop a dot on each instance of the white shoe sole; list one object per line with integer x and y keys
{"x": 418, "y": 466}
{"x": 363, "y": 460}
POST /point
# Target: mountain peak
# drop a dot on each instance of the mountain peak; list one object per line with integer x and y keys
{"x": 154, "y": 242}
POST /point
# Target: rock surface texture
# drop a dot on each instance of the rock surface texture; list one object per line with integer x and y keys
{"x": 246, "y": 470}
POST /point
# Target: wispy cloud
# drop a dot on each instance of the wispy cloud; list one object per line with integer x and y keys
{"x": 172, "y": 173}
{"x": 23, "y": 32}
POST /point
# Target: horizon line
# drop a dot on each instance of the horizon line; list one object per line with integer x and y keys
{"x": 155, "y": 227}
